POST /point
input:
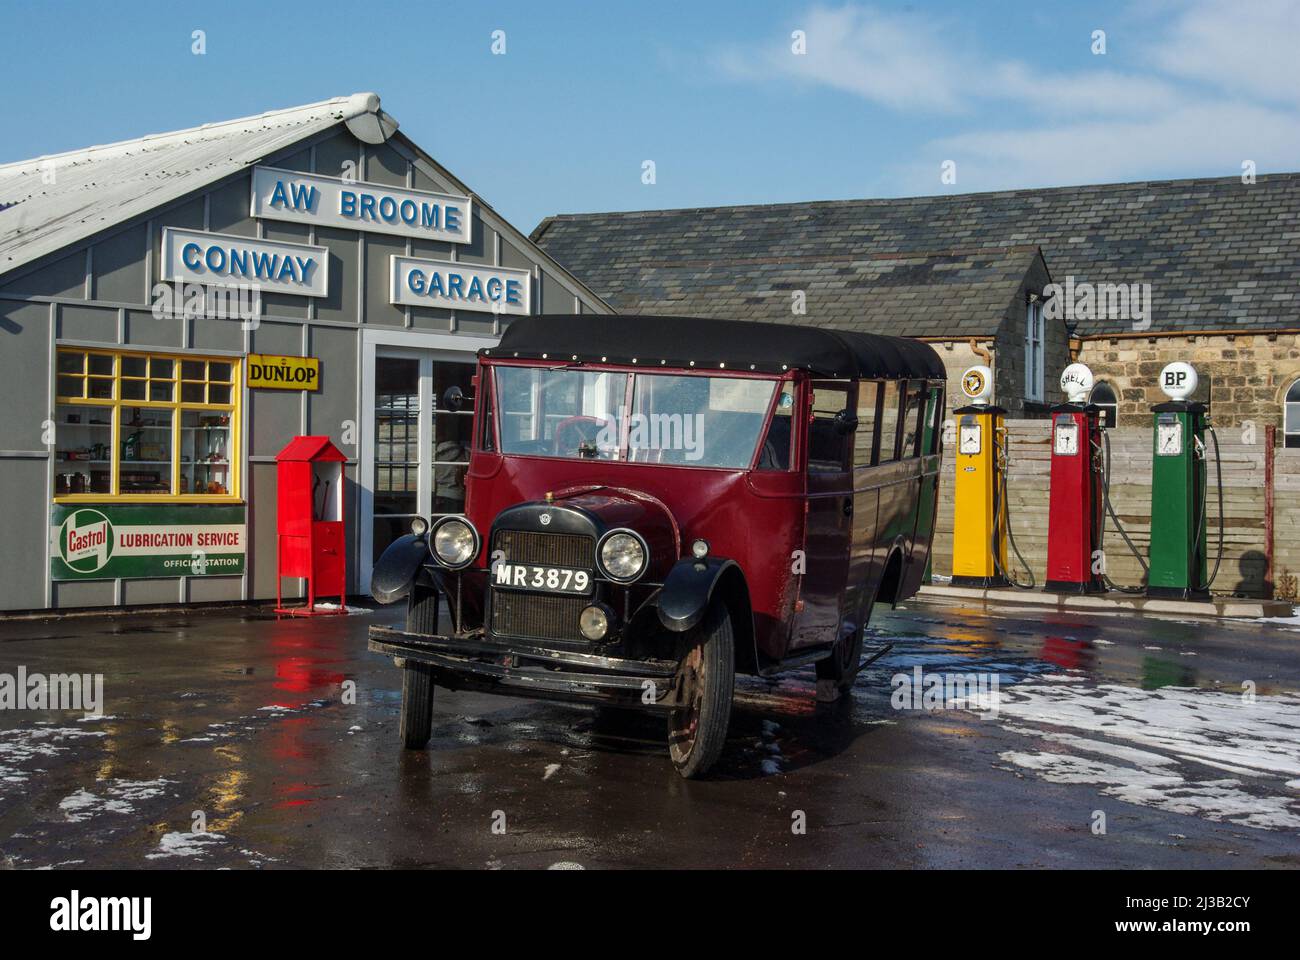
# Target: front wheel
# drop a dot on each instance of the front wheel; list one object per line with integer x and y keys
{"x": 417, "y": 678}
{"x": 706, "y": 675}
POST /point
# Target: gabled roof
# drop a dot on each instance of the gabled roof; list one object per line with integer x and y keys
{"x": 1219, "y": 254}
{"x": 711, "y": 344}
{"x": 55, "y": 201}
{"x": 318, "y": 449}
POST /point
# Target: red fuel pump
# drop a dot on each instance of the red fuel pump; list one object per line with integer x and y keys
{"x": 1074, "y": 519}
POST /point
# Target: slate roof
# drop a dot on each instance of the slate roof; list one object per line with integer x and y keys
{"x": 1219, "y": 254}
{"x": 54, "y": 201}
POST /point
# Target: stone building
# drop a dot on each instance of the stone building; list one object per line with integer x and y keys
{"x": 1142, "y": 274}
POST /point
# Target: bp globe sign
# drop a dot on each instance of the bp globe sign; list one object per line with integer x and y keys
{"x": 129, "y": 541}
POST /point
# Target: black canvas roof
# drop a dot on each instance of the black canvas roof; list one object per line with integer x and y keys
{"x": 716, "y": 344}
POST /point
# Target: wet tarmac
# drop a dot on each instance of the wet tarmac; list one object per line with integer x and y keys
{"x": 1117, "y": 742}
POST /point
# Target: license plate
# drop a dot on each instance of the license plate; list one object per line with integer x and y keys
{"x": 526, "y": 576}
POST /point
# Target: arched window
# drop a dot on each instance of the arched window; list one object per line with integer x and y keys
{"x": 1103, "y": 395}
{"x": 1291, "y": 416}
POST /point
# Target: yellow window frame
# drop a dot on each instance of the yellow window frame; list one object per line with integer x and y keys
{"x": 175, "y": 406}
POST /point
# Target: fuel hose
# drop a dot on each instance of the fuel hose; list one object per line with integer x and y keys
{"x": 1202, "y": 525}
{"x": 999, "y": 498}
{"x": 1105, "y": 495}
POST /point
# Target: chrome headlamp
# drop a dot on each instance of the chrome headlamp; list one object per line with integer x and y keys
{"x": 454, "y": 542}
{"x": 419, "y": 526}
{"x": 622, "y": 555}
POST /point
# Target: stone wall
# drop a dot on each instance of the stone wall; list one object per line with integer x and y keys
{"x": 1243, "y": 376}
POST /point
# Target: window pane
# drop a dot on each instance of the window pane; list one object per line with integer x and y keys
{"x": 889, "y": 421}
{"x": 205, "y": 453}
{"x": 161, "y": 392}
{"x": 83, "y": 450}
{"x": 72, "y": 362}
{"x": 218, "y": 394}
{"x": 192, "y": 370}
{"x": 397, "y": 428}
{"x": 101, "y": 365}
{"x": 134, "y": 366}
{"x": 101, "y": 388}
{"x": 826, "y": 444}
{"x": 162, "y": 369}
{"x": 699, "y": 421}
{"x": 133, "y": 389}
{"x": 191, "y": 393}
{"x": 560, "y": 412}
{"x": 146, "y": 454}
{"x": 775, "y": 454}
{"x": 912, "y": 419}
{"x": 219, "y": 372}
{"x": 72, "y": 387}
{"x": 865, "y": 438}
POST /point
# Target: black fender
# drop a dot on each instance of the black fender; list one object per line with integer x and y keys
{"x": 398, "y": 568}
{"x": 687, "y": 590}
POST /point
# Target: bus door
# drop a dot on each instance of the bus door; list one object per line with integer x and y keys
{"x": 866, "y": 561}
{"x": 829, "y": 512}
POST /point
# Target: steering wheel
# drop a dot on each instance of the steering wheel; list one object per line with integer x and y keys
{"x": 586, "y": 428}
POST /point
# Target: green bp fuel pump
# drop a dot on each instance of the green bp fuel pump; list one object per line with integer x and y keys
{"x": 1178, "y": 491}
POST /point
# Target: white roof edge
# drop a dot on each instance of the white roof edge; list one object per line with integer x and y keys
{"x": 343, "y": 108}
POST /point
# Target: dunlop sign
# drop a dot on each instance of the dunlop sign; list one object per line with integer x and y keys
{"x": 283, "y": 373}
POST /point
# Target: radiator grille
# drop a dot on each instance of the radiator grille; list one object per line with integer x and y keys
{"x": 540, "y": 616}
{"x": 545, "y": 549}
{"x": 536, "y": 616}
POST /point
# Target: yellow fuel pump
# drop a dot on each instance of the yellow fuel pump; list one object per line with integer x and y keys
{"x": 980, "y": 529}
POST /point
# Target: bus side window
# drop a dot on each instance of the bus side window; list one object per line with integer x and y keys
{"x": 828, "y": 448}
{"x": 864, "y": 440}
{"x": 934, "y": 420}
{"x": 894, "y": 393}
{"x": 912, "y": 414}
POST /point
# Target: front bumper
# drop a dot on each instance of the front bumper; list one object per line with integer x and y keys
{"x": 518, "y": 668}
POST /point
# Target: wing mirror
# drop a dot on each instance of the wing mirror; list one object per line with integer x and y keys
{"x": 453, "y": 398}
{"x": 845, "y": 423}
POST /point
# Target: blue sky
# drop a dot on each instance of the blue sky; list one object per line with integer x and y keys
{"x": 1012, "y": 93}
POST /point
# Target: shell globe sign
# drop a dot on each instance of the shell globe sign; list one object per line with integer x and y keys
{"x": 142, "y": 540}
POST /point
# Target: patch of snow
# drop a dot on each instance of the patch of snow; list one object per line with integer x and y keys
{"x": 1145, "y": 747}
{"x": 566, "y": 865}
{"x": 119, "y": 796}
{"x": 551, "y": 770}
{"x": 185, "y": 844}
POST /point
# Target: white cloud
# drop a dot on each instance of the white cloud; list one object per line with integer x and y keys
{"x": 1221, "y": 86}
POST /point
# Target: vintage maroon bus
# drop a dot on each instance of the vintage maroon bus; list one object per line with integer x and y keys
{"x": 656, "y": 503}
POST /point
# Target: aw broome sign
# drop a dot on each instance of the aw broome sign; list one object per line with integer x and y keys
{"x": 105, "y": 542}
{"x": 283, "y": 373}
{"x": 331, "y": 202}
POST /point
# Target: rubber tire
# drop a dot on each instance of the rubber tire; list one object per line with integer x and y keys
{"x": 417, "y": 678}
{"x": 841, "y": 667}
{"x": 716, "y": 639}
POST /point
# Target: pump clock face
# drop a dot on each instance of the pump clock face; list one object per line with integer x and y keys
{"x": 969, "y": 442}
{"x": 1066, "y": 442}
{"x": 1169, "y": 439}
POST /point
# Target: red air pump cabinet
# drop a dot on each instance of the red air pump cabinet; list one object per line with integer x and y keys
{"x": 309, "y": 522}
{"x": 1075, "y": 513}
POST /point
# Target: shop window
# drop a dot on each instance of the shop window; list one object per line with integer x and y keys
{"x": 1103, "y": 397}
{"x": 142, "y": 427}
{"x": 1291, "y": 416}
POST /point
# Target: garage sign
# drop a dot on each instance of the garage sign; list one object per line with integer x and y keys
{"x": 266, "y": 372}
{"x": 106, "y": 542}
